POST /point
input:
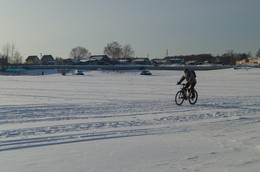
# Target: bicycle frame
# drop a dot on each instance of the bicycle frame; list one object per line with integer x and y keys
{"x": 185, "y": 94}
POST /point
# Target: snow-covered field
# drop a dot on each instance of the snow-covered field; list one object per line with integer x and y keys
{"x": 122, "y": 121}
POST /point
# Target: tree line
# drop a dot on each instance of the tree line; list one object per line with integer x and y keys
{"x": 228, "y": 58}
{"x": 116, "y": 51}
{"x": 11, "y": 55}
{"x": 113, "y": 49}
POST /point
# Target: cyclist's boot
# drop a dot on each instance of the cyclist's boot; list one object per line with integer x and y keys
{"x": 183, "y": 94}
{"x": 192, "y": 94}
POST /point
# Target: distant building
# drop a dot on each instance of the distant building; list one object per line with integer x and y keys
{"x": 218, "y": 61}
{"x": 249, "y": 61}
{"x": 174, "y": 60}
{"x": 47, "y": 60}
{"x": 157, "y": 62}
{"x": 100, "y": 59}
{"x": 71, "y": 61}
{"x": 33, "y": 60}
{"x": 142, "y": 61}
{"x": 125, "y": 60}
{"x": 89, "y": 62}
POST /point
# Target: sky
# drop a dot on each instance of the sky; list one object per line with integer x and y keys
{"x": 151, "y": 27}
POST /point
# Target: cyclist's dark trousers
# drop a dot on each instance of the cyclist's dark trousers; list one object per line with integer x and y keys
{"x": 191, "y": 87}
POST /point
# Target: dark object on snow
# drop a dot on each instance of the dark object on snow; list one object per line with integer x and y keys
{"x": 146, "y": 72}
{"x": 79, "y": 72}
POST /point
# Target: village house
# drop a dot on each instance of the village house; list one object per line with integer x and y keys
{"x": 47, "y": 60}
{"x": 100, "y": 59}
{"x": 142, "y": 61}
{"x": 159, "y": 61}
{"x": 89, "y": 62}
{"x": 71, "y": 61}
{"x": 249, "y": 62}
{"x": 125, "y": 61}
{"x": 175, "y": 60}
{"x": 33, "y": 60}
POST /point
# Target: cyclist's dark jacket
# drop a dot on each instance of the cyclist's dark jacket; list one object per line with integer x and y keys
{"x": 190, "y": 78}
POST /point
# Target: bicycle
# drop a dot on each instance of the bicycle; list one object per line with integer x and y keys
{"x": 185, "y": 94}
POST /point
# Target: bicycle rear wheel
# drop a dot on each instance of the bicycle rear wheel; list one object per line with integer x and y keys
{"x": 194, "y": 99}
{"x": 179, "y": 98}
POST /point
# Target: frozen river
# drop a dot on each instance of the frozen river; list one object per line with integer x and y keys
{"x": 122, "y": 121}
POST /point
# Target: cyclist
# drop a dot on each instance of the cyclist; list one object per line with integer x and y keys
{"x": 190, "y": 77}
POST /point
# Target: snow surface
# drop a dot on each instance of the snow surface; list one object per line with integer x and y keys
{"x": 123, "y": 121}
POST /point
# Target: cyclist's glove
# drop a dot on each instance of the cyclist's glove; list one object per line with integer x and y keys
{"x": 178, "y": 83}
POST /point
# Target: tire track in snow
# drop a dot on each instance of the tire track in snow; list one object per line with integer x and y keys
{"x": 75, "y": 138}
{"x": 114, "y": 120}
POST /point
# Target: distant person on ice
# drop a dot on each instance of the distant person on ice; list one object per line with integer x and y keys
{"x": 190, "y": 77}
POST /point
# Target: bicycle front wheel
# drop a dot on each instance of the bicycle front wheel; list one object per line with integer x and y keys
{"x": 193, "y": 98}
{"x": 179, "y": 98}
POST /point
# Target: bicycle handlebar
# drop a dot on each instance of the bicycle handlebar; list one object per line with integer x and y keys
{"x": 183, "y": 85}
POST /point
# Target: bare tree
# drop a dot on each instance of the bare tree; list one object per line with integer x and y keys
{"x": 80, "y": 53}
{"x": 3, "y": 62}
{"x": 113, "y": 50}
{"x": 59, "y": 60}
{"x": 12, "y": 55}
{"x": 127, "y": 51}
{"x": 258, "y": 53}
{"x": 228, "y": 58}
{"x": 249, "y": 54}
{"x": 6, "y": 51}
{"x": 17, "y": 58}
